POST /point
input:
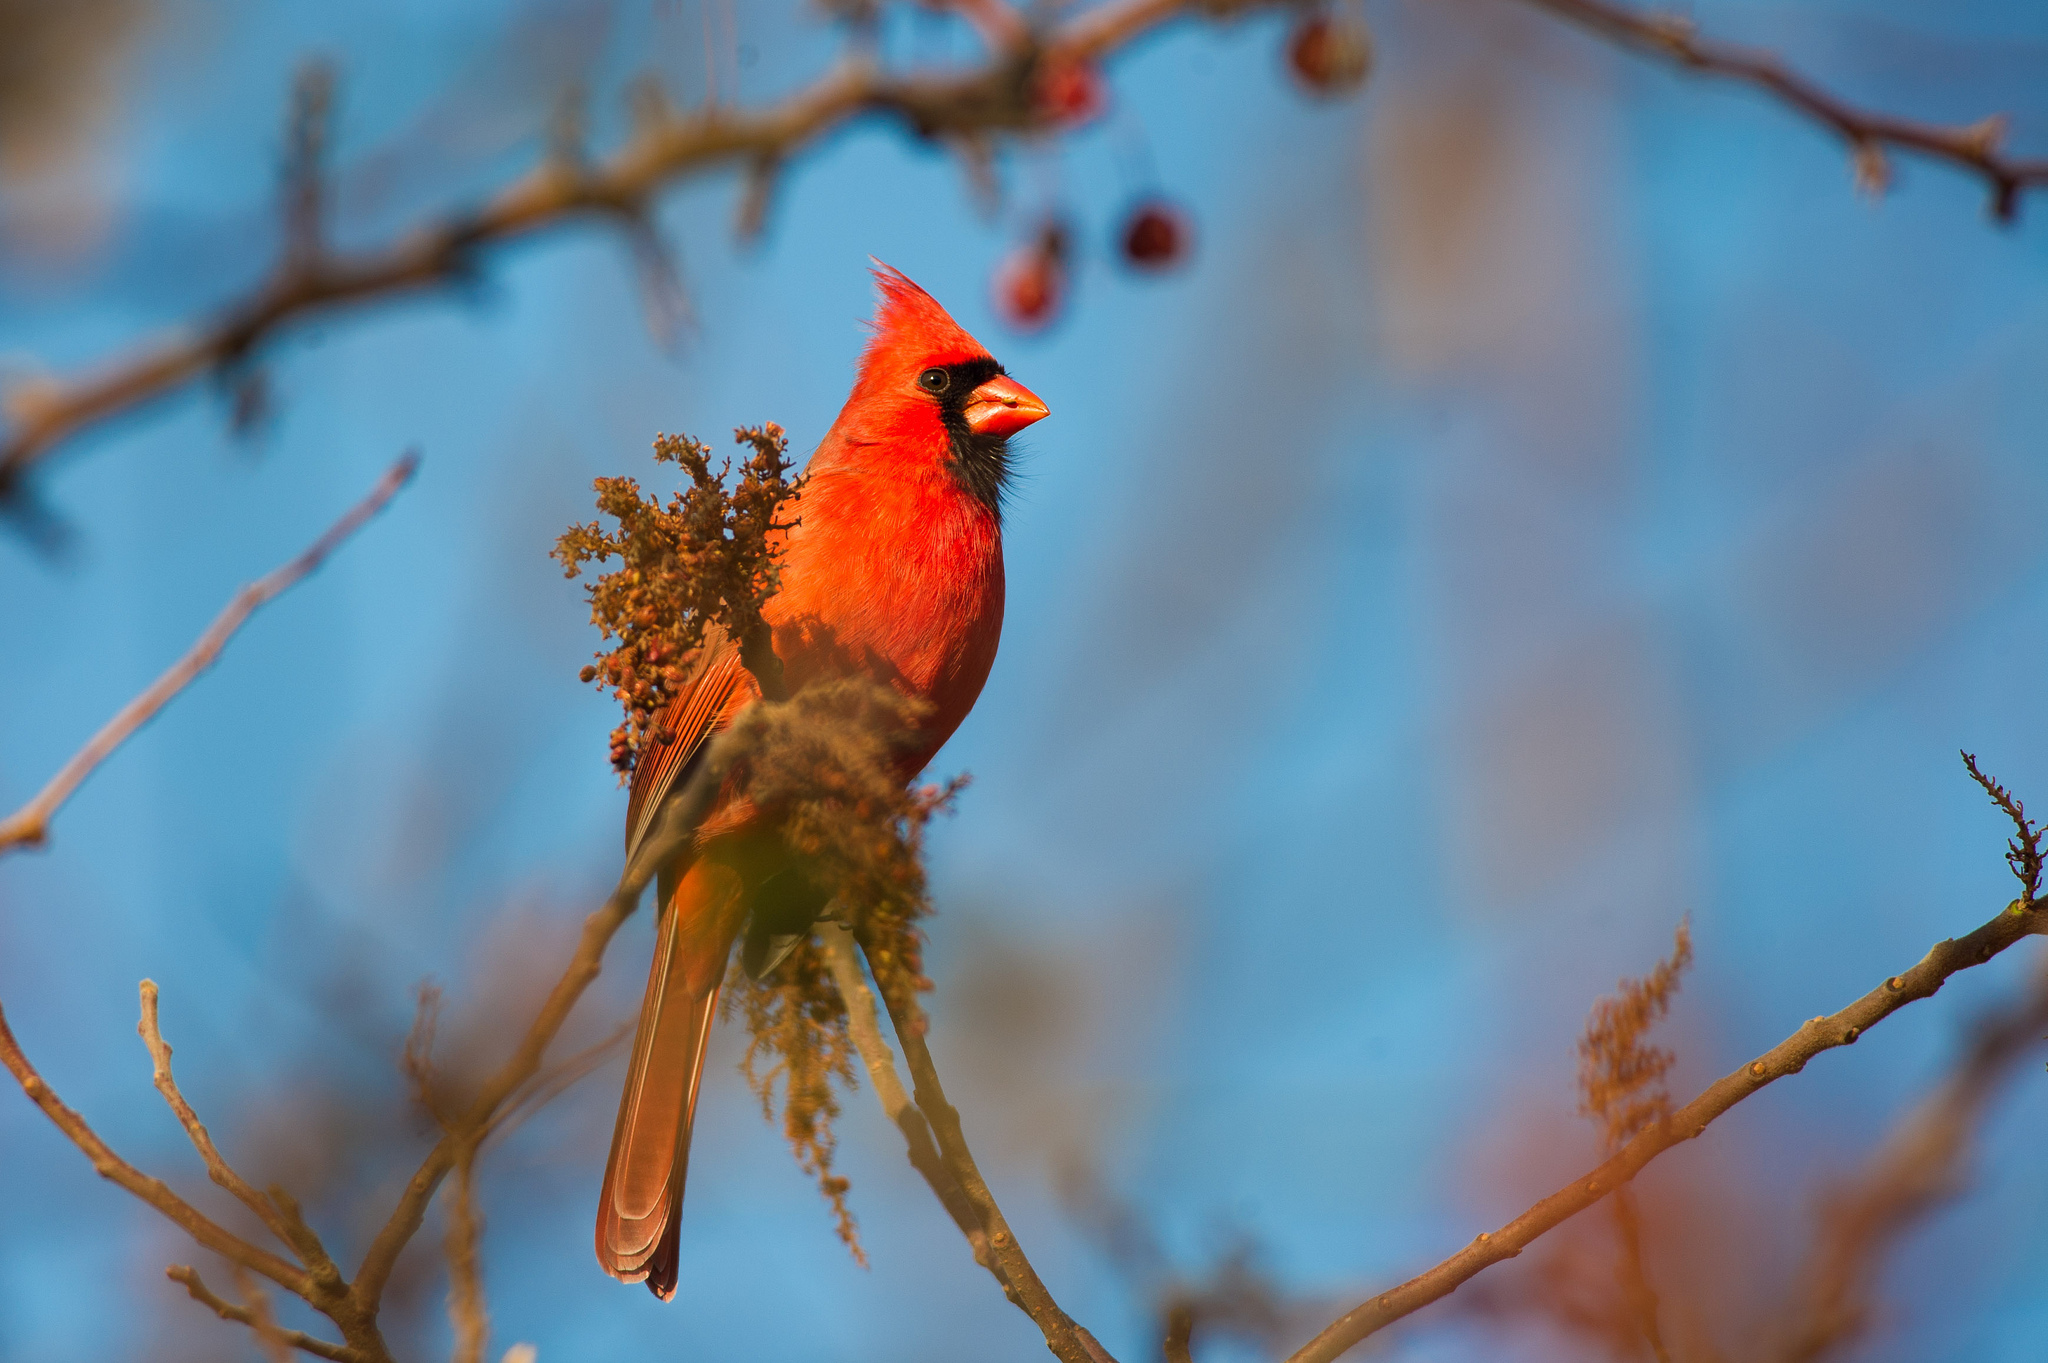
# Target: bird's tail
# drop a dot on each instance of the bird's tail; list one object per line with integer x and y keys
{"x": 638, "y": 1210}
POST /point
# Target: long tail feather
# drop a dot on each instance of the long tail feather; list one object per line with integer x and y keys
{"x": 639, "y": 1208}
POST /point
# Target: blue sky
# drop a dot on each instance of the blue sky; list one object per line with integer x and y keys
{"x": 1551, "y": 503}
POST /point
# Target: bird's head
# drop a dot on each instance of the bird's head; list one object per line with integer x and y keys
{"x": 930, "y": 393}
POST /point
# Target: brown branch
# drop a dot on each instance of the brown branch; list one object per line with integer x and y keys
{"x": 282, "y": 1217}
{"x": 1067, "y": 1340}
{"x": 242, "y": 1315}
{"x": 29, "y": 826}
{"x": 864, "y": 1022}
{"x": 1919, "y": 1167}
{"x": 1180, "y": 1334}
{"x": 466, "y": 1313}
{"x": 1633, "y": 1277}
{"x": 1788, "y": 1057}
{"x": 673, "y": 830}
{"x": 664, "y": 148}
{"x": 113, "y": 1168}
{"x": 1867, "y": 132}
{"x": 261, "y": 1321}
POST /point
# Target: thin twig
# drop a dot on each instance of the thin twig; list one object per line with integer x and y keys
{"x": 558, "y": 1078}
{"x": 1788, "y": 1057}
{"x": 256, "y": 1303}
{"x": 2022, "y": 851}
{"x": 114, "y": 1169}
{"x": 1917, "y": 1169}
{"x": 864, "y": 1022}
{"x": 280, "y": 1216}
{"x": 1068, "y": 1341}
{"x": 466, "y": 1313}
{"x": 674, "y": 830}
{"x": 241, "y": 1315}
{"x": 1867, "y": 132}
{"x": 1634, "y": 1278}
{"x": 30, "y": 825}
{"x": 1180, "y": 1334}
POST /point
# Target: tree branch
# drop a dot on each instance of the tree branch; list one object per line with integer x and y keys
{"x": 674, "y": 830}
{"x": 29, "y": 826}
{"x": 1917, "y": 1168}
{"x": 286, "y": 1225}
{"x": 1788, "y": 1057}
{"x": 666, "y": 147}
{"x": 113, "y": 1168}
{"x": 1868, "y": 133}
{"x": 1068, "y": 1341}
{"x": 863, "y": 1020}
{"x": 242, "y": 1315}
{"x": 466, "y": 1314}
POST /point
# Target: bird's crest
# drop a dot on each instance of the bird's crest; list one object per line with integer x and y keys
{"x": 912, "y": 330}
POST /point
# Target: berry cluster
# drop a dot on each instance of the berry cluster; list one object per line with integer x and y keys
{"x": 1329, "y": 53}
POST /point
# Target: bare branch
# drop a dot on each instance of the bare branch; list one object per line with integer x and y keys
{"x": 1634, "y": 1278}
{"x": 1918, "y": 1168}
{"x": 242, "y": 1315}
{"x": 286, "y": 1226}
{"x": 31, "y": 823}
{"x": 1867, "y": 132}
{"x": 1068, "y": 1341}
{"x": 466, "y": 1313}
{"x": 673, "y": 830}
{"x": 1180, "y": 1333}
{"x": 550, "y": 1083}
{"x": 1788, "y": 1057}
{"x": 863, "y": 1020}
{"x": 664, "y": 148}
{"x": 113, "y": 1168}
{"x": 257, "y": 1306}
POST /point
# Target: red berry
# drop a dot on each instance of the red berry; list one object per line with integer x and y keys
{"x": 1031, "y": 283}
{"x": 1155, "y": 235}
{"x": 1330, "y": 52}
{"x": 1067, "y": 93}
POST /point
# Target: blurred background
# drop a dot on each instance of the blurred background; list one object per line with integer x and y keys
{"x": 1549, "y": 501}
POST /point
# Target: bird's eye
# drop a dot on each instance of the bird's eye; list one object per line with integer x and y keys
{"x": 934, "y": 380}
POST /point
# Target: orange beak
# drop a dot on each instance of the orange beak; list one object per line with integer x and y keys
{"x": 1002, "y": 407}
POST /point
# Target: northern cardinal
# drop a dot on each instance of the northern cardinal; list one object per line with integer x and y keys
{"x": 894, "y": 568}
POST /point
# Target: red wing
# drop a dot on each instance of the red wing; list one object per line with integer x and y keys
{"x": 698, "y": 711}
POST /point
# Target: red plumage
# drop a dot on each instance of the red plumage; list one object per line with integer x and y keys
{"x": 894, "y": 568}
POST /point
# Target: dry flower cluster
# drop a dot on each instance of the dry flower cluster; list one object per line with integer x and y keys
{"x": 1621, "y": 1079}
{"x": 703, "y": 561}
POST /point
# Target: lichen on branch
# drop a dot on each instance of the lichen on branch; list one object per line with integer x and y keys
{"x": 704, "y": 561}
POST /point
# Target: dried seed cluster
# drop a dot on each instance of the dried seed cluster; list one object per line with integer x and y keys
{"x": 824, "y": 765}
{"x": 1621, "y": 1079}
{"x": 705, "y": 559}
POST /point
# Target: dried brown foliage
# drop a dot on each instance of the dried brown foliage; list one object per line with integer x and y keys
{"x": 1621, "y": 1080}
{"x": 2023, "y": 852}
{"x": 706, "y": 560}
{"x": 824, "y": 763}
{"x": 798, "y": 1035}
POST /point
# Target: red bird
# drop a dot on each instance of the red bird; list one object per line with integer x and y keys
{"x": 895, "y": 569}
